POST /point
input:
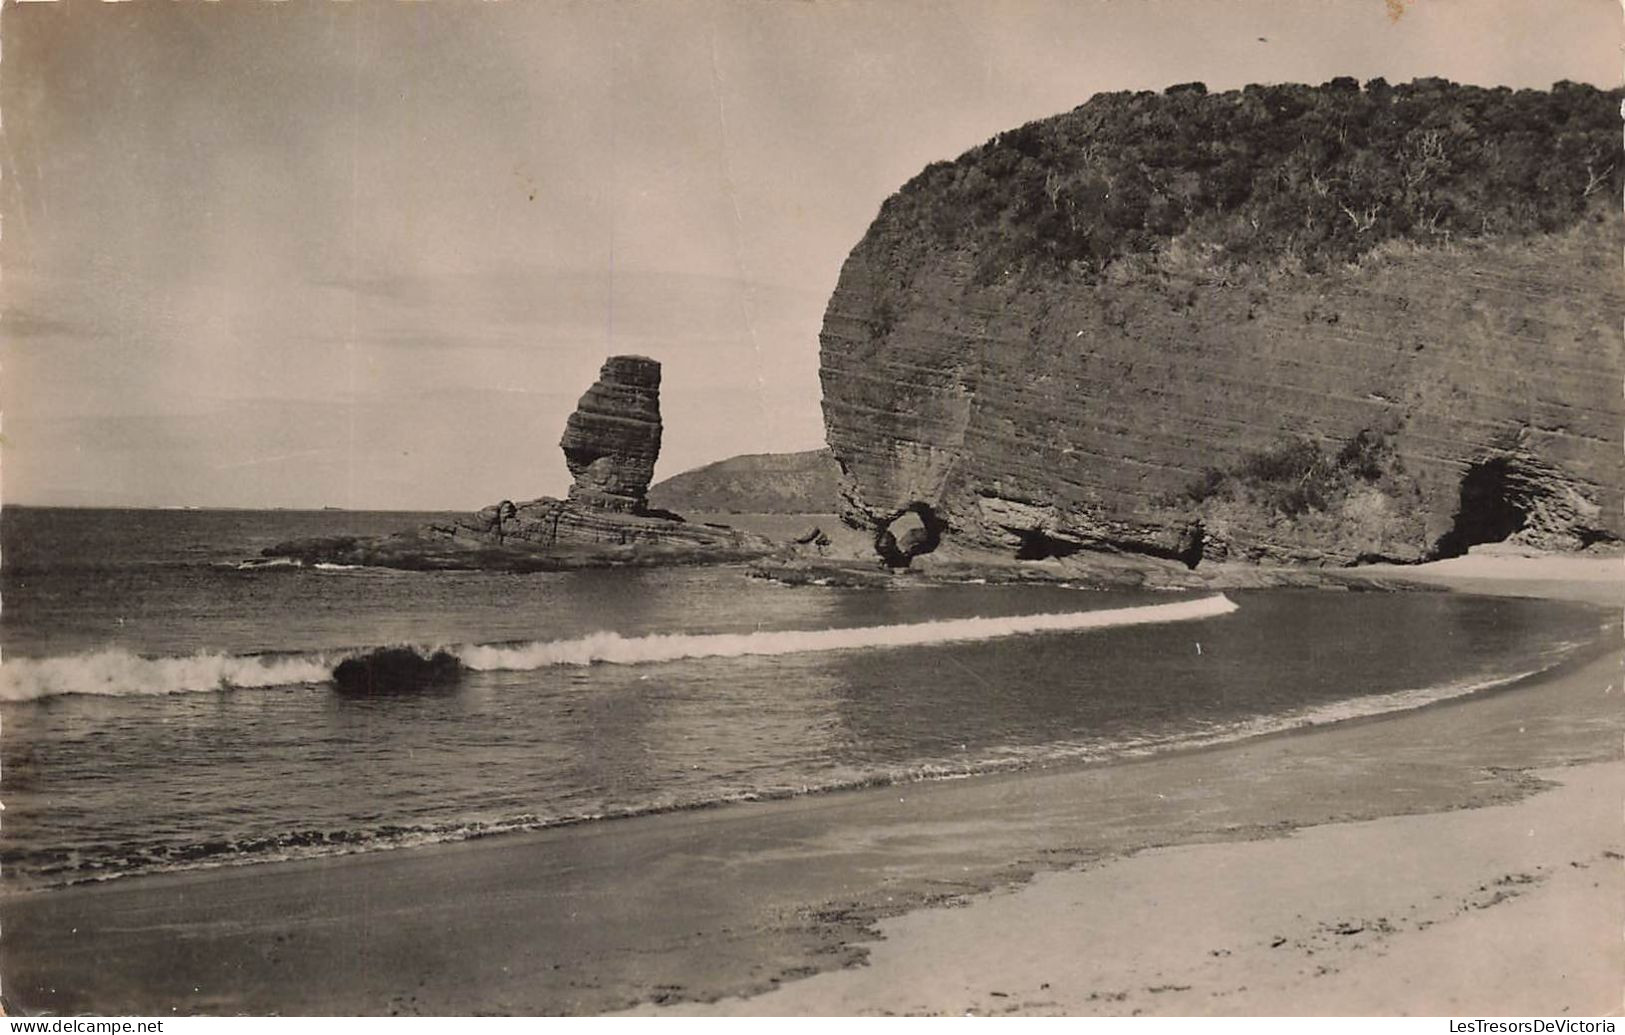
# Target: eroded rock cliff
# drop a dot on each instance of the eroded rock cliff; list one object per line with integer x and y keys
{"x": 1304, "y": 324}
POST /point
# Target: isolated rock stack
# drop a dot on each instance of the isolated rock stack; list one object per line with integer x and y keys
{"x": 612, "y": 440}
{"x": 610, "y": 443}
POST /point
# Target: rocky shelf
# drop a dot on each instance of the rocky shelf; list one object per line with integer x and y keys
{"x": 610, "y": 445}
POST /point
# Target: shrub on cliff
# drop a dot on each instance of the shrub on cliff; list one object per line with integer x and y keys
{"x": 1353, "y": 502}
{"x": 1298, "y": 476}
{"x": 1314, "y": 174}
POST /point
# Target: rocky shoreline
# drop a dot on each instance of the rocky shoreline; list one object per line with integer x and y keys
{"x": 610, "y": 445}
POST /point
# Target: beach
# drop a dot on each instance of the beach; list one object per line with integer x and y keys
{"x": 1508, "y": 910}
{"x": 926, "y": 508}
{"x": 1189, "y": 882}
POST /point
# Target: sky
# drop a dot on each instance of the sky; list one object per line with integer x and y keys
{"x": 368, "y": 254}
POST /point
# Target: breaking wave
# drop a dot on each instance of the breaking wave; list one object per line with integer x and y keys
{"x": 611, "y": 648}
{"x": 121, "y": 673}
{"x": 59, "y": 868}
{"x": 116, "y": 672}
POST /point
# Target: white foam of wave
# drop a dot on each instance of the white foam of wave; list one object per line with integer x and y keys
{"x": 1368, "y": 706}
{"x": 611, "y": 648}
{"x": 1399, "y": 700}
{"x": 120, "y": 673}
{"x": 117, "y": 672}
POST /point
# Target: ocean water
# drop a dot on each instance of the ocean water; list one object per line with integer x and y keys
{"x": 165, "y": 707}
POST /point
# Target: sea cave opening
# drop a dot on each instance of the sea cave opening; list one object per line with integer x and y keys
{"x": 911, "y": 532}
{"x": 1489, "y": 509}
{"x": 1034, "y": 545}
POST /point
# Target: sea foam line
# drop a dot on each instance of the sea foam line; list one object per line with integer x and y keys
{"x": 119, "y": 673}
{"x": 611, "y": 648}
{"x": 116, "y": 672}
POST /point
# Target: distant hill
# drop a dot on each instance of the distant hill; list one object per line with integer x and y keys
{"x": 760, "y": 483}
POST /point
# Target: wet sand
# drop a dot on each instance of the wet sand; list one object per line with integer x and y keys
{"x": 1511, "y": 910}
{"x": 698, "y": 908}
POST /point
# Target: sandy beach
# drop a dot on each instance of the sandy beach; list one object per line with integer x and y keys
{"x": 1461, "y": 858}
{"x": 811, "y": 509}
{"x": 1509, "y": 910}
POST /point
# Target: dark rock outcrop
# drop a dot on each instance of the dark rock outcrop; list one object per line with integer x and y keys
{"x": 610, "y": 443}
{"x": 813, "y": 536}
{"x": 1110, "y": 330}
{"x": 396, "y": 670}
{"x": 549, "y": 524}
{"x": 612, "y": 440}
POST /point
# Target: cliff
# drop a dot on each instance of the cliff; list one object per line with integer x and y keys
{"x": 760, "y": 483}
{"x": 610, "y": 444}
{"x": 1319, "y": 325}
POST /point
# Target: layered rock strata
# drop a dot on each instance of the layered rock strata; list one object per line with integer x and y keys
{"x": 1090, "y": 395}
{"x": 612, "y": 439}
{"x": 610, "y": 444}
{"x": 548, "y": 523}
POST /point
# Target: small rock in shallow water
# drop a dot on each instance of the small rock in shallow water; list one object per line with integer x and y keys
{"x": 393, "y": 670}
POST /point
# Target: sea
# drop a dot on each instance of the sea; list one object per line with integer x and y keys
{"x": 168, "y": 703}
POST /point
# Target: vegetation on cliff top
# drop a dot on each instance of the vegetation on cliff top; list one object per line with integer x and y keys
{"x": 1263, "y": 174}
